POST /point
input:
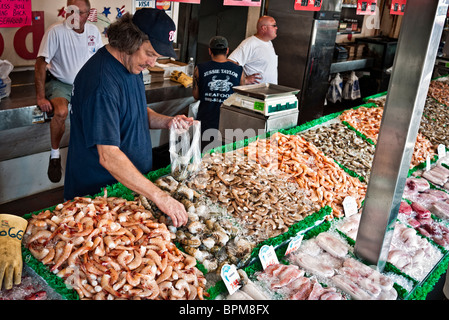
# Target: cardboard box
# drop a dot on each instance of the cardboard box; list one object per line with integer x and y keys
{"x": 157, "y": 74}
{"x": 170, "y": 65}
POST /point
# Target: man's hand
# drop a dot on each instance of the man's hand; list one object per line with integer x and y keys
{"x": 252, "y": 79}
{"x": 172, "y": 208}
{"x": 44, "y": 105}
{"x": 180, "y": 122}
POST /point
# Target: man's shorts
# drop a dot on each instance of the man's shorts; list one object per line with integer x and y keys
{"x": 57, "y": 89}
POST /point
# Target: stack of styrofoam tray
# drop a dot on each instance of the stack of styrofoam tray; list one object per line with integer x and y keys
{"x": 266, "y": 107}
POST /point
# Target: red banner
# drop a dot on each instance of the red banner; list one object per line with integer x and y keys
{"x": 308, "y": 5}
{"x": 366, "y": 7}
{"x": 247, "y": 3}
{"x": 15, "y": 13}
{"x": 398, "y": 7}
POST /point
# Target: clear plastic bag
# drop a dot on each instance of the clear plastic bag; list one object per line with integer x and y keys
{"x": 352, "y": 88}
{"x": 185, "y": 150}
{"x": 335, "y": 90}
{"x": 5, "y": 82}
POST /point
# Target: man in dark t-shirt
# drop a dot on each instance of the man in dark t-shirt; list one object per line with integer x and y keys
{"x": 109, "y": 137}
{"x": 213, "y": 83}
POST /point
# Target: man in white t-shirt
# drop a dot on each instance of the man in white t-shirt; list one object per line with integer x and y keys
{"x": 256, "y": 54}
{"x": 65, "y": 48}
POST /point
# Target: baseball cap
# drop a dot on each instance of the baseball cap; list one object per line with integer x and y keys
{"x": 218, "y": 42}
{"x": 159, "y": 28}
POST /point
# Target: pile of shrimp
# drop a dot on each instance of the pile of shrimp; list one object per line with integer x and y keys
{"x": 364, "y": 119}
{"x": 439, "y": 90}
{"x": 367, "y": 121}
{"x": 110, "y": 248}
{"x": 264, "y": 203}
{"x": 325, "y": 181}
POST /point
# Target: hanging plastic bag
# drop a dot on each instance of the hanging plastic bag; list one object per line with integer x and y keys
{"x": 193, "y": 109}
{"x": 185, "y": 150}
{"x": 5, "y": 82}
{"x": 335, "y": 89}
{"x": 352, "y": 88}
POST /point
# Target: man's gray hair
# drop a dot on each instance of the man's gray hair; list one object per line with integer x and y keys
{"x": 87, "y": 2}
{"x": 124, "y": 35}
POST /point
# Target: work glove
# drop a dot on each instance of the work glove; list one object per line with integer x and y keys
{"x": 182, "y": 78}
{"x": 12, "y": 229}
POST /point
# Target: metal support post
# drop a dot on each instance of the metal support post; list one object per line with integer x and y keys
{"x": 418, "y": 42}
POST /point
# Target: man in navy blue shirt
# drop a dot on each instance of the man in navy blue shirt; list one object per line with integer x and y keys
{"x": 213, "y": 83}
{"x": 110, "y": 121}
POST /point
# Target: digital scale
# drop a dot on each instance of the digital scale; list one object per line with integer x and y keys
{"x": 255, "y": 109}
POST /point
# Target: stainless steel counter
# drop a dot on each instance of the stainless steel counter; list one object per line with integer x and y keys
{"x": 25, "y": 145}
{"x": 17, "y": 109}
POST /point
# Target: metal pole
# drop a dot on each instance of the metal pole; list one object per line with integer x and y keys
{"x": 418, "y": 42}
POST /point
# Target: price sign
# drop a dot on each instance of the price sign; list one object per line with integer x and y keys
{"x": 397, "y": 7}
{"x": 294, "y": 243}
{"x": 308, "y": 5}
{"x": 246, "y": 3}
{"x": 441, "y": 151}
{"x": 366, "y": 7}
{"x": 267, "y": 256}
{"x": 230, "y": 277}
{"x": 349, "y": 206}
{"x": 15, "y": 13}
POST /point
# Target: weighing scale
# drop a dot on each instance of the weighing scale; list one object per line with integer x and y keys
{"x": 255, "y": 109}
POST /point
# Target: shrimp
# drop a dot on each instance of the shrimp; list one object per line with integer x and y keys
{"x": 75, "y": 254}
{"x": 64, "y": 256}
{"x": 39, "y": 235}
{"x": 155, "y": 257}
{"x": 105, "y": 284}
{"x": 136, "y": 262}
{"x": 39, "y": 254}
{"x": 165, "y": 275}
{"x": 151, "y": 285}
{"x": 164, "y": 289}
{"x": 133, "y": 279}
{"x": 84, "y": 230}
{"x": 49, "y": 257}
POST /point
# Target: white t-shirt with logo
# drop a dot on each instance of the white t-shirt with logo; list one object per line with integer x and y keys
{"x": 257, "y": 56}
{"x": 66, "y": 51}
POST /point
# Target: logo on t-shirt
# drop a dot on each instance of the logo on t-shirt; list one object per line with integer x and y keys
{"x": 220, "y": 84}
{"x": 91, "y": 43}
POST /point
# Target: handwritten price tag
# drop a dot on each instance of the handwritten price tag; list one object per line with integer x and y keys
{"x": 267, "y": 256}
{"x": 294, "y": 244}
{"x": 349, "y": 206}
{"x": 230, "y": 277}
{"x": 441, "y": 151}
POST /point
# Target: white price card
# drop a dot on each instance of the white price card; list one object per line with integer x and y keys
{"x": 349, "y": 206}
{"x": 267, "y": 256}
{"x": 294, "y": 243}
{"x": 441, "y": 151}
{"x": 428, "y": 164}
{"x": 230, "y": 277}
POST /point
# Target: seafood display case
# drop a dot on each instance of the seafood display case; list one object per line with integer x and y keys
{"x": 261, "y": 108}
{"x": 272, "y": 190}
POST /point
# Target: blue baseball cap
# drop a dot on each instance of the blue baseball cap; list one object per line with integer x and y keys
{"x": 159, "y": 28}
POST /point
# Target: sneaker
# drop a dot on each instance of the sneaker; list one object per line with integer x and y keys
{"x": 54, "y": 170}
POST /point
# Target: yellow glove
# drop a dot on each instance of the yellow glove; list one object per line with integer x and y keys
{"x": 182, "y": 78}
{"x": 12, "y": 229}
